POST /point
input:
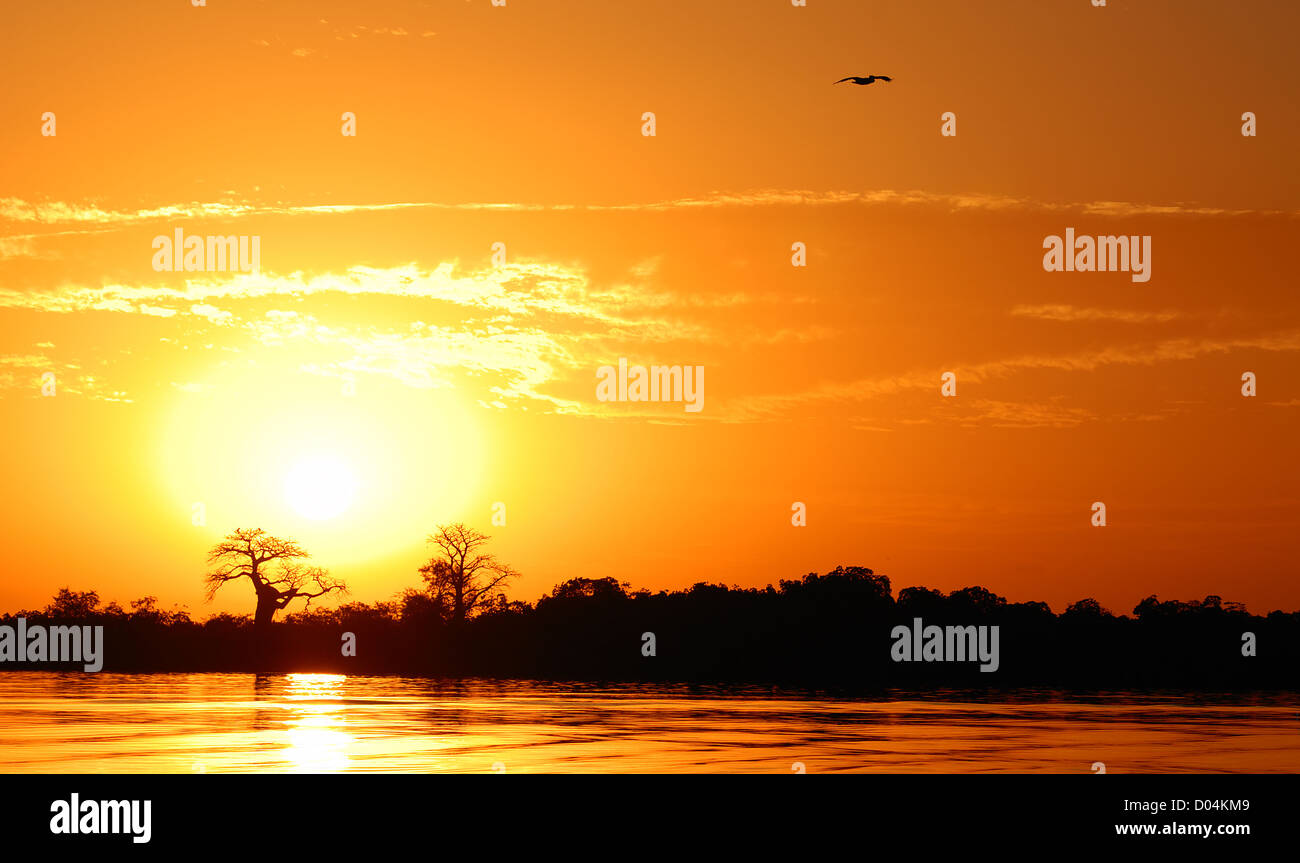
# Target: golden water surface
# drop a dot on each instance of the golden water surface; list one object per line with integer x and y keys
{"x": 217, "y": 723}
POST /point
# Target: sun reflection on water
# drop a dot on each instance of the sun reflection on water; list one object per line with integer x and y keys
{"x": 317, "y": 728}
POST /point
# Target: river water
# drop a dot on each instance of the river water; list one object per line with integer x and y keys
{"x": 217, "y": 723}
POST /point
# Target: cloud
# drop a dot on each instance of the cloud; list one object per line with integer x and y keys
{"x": 61, "y": 212}
{"x": 24, "y": 246}
{"x": 1075, "y": 313}
{"x": 521, "y": 329}
{"x": 518, "y": 290}
{"x": 24, "y": 374}
{"x": 863, "y": 389}
{"x": 157, "y": 311}
{"x": 1024, "y": 414}
{"x": 948, "y": 201}
{"x": 212, "y": 313}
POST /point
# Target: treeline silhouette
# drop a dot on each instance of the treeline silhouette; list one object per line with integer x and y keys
{"x": 827, "y": 631}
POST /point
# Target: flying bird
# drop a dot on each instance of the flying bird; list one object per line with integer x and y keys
{"x": 867, "y": 80}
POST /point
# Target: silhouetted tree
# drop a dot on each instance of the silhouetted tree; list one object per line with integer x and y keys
{"x": 73, "y": 604}
{"x": 976, "y": 599}
{"x": 462, "y": 577}
{"x": 921, "y": 601}
{"x": 246, "y": 553}
{"x": 1086, "y": 608}
{"x": 843, "y": 582}
{"x": 418, "y": 607}
{"x": 590, "y": 588}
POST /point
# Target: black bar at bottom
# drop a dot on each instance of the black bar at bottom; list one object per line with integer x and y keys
{"x": 638, "y": 813}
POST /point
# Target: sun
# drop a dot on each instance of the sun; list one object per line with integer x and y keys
{"x": 320, "y": 486}
{"x": 355, "y": 478}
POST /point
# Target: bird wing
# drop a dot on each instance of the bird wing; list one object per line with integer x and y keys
{"x": 842, "y": 80}
{"x": 883, "y": 78}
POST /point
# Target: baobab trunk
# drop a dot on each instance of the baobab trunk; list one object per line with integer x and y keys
{"x": 262, "y": 618}
{"x": 265, "y": 614}
{"x": 267, "y": 606}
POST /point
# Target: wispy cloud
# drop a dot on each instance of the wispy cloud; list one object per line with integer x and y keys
{"x": 24, "y": 374}
{"x": 1077, "y": 313}
{"x": 863, "y": 389}
{"x": 62, "y": 212}
{"x": 517, "y": 289}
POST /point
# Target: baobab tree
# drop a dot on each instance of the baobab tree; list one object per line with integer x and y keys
{"x": 461, "y": 577}
{"x": 273, "y": 566}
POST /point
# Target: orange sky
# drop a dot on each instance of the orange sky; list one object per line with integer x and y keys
{"x": 475, "y": 384}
